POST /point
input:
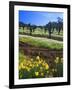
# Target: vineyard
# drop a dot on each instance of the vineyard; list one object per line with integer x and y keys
{"x": 40, "y": 44}
{"x": 40, "y": 57}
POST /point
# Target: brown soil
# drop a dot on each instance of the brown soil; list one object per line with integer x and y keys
{"x": 48, "y": 54}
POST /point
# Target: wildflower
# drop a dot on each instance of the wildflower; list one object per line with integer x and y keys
{"x": 39, "y": 62}
{"x": 42, "y": 74}
{"x": 28, "y": 69}
{"x": 47, "y": 71}
{"x": 57, "y": 60}
{"x": 46, "y": 66}
{"x": 19, "y": 67}
{"x": 22, "y": 65}
{"x": 31, "y": 59}
{"x": 36, "y": 73}
{"x": 41, "y": 68}
{"x": 20, "y": 75}
{"x": 37, "y": 57}
{"x": 61, "y": 60}
{"x": 30, "y": 65}
{"x": 37, "y": 65}
{"x": 53, "y": 69}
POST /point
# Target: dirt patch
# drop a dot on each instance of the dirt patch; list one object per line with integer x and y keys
{"x": 48, "y": 54}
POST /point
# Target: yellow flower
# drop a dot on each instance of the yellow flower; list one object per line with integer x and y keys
{"x": 22, "y": 65}
{"x": 19, "y": 67}
{"x": 39, "y": 62}
{"x": 41, "y": 68}
{"x": 31, "y": 59}
{"x": 57, "y": 60}
{"x": 37, "y": 65}
{"x": 36, "y": 73}
{"x": 47, "y": 71}
{"x": 53, "y": 69}
{"x": 46, "y": 66}
{"x": 42, "y": 74}
{"x": 20, "y": 75}
{"x": 43, "y": 64}
{"x": 30, "y": 65}
{"x": 37, "y": 57}
{"x": 28, "y": 69}
{"x": 61, "y": 60}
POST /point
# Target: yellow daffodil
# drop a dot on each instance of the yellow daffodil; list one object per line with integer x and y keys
{"x": 57, "y": 60}
{"x": 39, "y": 62}
{"x": 19, "y": 67}
{"x": 36, "y": 73}
{"x": 37, "y": 65}
{"x": 30, "y": 65}
{"x": 61, "y": 60}
{"x": 27, "y": 68}
{"x": 53, "y": 70}
{"x": 47, "y": 71}
{"x": 37, "y": 57}
{"x": 20, "y": 75}
{"x": 41, "y": 68}
{"x": 46, "y": 66}
{"x": 31, "y": 59}
{"x": 42, "y": 74}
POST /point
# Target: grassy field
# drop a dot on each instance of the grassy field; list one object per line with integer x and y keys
{"x": 37, "y": 66}
{"x": 41, "y": 42}
{"x": 40, "y": 32}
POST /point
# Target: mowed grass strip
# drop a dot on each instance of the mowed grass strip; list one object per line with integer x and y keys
{"x": 41, "y": 42}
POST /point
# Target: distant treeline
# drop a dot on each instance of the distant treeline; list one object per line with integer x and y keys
{"x": 50, "y": 26}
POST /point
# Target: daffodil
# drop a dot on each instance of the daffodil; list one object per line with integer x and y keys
{"x": 30, "y": 65}
{"x": 37, "y": 65}
{"x": 42, "y": 74}
{"x": 57, "y": 60}
{"x": 53, "y": 70}
{"x": 61, "y": 60}
{"x": 37, "y": 57}
{"x": 27, "y": 68}
{"x": 36, "y": 73}
{"x": 19, "y": 67}
{"x": 20, "y": 75}
{"x": 31, "y": 59}
{"x": 39, "y": 62}
{"x": 46, "y": 66}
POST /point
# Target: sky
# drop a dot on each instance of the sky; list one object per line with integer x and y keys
{"x": 37, "y": 17}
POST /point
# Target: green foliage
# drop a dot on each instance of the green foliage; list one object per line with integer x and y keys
{"x": 42, "y": 42}
{"x": 38, "y": 67}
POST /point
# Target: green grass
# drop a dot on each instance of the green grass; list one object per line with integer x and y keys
{"x": 41, "y": 32}
{"x": 41, "y": 42}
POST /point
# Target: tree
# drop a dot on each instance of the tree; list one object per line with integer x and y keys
{"x": 49, "y": 27}
{"x": 21, "y": 24}
{"x": 60, "y": 24}
{"x": 33, "y": 28}
{"x": 30, "y": 28}
{"x": 53, "y": 26}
